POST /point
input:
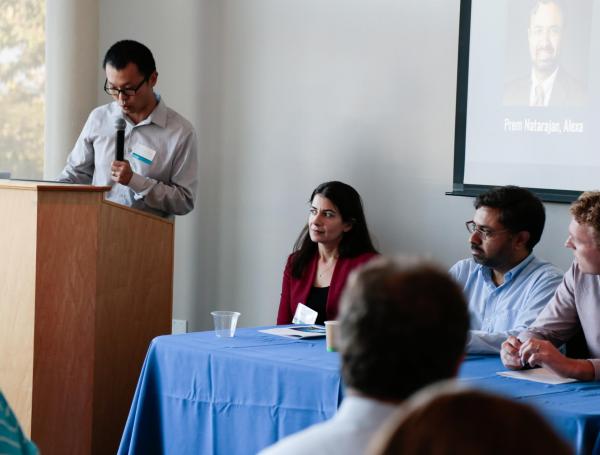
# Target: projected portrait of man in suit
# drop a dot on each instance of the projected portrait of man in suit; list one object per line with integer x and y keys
{"x": 548, "y": 83}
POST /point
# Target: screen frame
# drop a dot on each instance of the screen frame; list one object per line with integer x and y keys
{"x": 459, "y": 188}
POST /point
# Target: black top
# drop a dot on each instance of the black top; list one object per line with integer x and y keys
{"x": 317, "y": 301}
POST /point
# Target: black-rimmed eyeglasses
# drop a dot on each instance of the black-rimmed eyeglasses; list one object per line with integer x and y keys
{"x": 485, "y": 233}
{"x": 113, "y": 91}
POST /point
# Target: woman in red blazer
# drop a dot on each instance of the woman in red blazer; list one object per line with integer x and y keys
{"x": 334, "y": 242}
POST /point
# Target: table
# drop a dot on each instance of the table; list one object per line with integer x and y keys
{"x": 573, "y": 409}
{"x": 198, "y": 394}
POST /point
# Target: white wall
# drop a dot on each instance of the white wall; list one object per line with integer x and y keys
{"x": 286, "y": 94}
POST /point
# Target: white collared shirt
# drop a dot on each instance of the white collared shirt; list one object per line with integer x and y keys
{"x": 348, "y": 432}
{"x": 547, "y": 86}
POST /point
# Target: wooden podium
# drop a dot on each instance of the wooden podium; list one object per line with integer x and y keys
{"x": 85, "y": 284}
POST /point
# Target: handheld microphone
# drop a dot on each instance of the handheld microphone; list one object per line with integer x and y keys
{"x": 120, "y": 139}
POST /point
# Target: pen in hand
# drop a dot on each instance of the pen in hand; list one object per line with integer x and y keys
{"x": 519, "y": 346}
{"x": 528, "y": 348}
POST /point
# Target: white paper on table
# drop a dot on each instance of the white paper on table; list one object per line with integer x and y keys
{"x": 537, "y": 375}
{"x": 304, "y": 315}
{"x": 299, "y": 332}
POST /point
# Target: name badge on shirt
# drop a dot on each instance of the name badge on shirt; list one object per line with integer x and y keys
{"x": 142, "y": 153}
{"x": 304, "y": 315}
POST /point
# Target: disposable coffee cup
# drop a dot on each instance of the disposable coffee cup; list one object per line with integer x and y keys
{"x": 225, "y": 322}
{"x": 331, "y": 334}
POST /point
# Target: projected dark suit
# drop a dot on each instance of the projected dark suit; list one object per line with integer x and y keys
{"x": 567, "y": 91}
{"x": 544, "y": 38}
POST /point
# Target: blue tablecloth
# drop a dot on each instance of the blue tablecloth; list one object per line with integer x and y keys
{"x": 198, "y": 394}
{"x": 573, "y": 409}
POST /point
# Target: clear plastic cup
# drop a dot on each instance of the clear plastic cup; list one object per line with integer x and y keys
{"x": 225, "y": 322}
{"x": 331, "y": 334}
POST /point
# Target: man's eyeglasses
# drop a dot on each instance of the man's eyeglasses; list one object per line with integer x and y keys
{"x": 113, "y": 91}
{"x": 483, "y": 232}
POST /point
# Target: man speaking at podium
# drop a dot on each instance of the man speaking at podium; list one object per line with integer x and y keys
{"x": 156, "y": 167}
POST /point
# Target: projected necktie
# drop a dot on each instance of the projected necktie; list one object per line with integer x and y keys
{"x": 539, "y": 95}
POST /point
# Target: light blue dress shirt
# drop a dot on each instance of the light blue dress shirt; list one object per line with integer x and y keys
{"x": 499, "y": 311}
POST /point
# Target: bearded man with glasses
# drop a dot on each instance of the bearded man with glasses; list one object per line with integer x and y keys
{"x": 158, "y": 173}
{"x": 505, "y": 284}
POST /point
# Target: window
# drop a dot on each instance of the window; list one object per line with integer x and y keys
{"x": 22, "y": 83}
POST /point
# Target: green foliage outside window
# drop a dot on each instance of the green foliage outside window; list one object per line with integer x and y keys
{"x": 22, "y": 86}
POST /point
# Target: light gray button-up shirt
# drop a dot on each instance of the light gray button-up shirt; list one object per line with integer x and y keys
{"x": 576, "y": 304}
{"x": 162, "y": 152}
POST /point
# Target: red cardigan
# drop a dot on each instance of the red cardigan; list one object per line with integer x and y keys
{"x": 296, "y": 290}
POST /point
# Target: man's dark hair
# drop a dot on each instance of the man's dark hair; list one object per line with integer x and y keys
{"x": 520, "y": 210}
{"x": 537, "y": 3}
{"x": 403, "y": 325}
{"x": 122, "y": 53}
